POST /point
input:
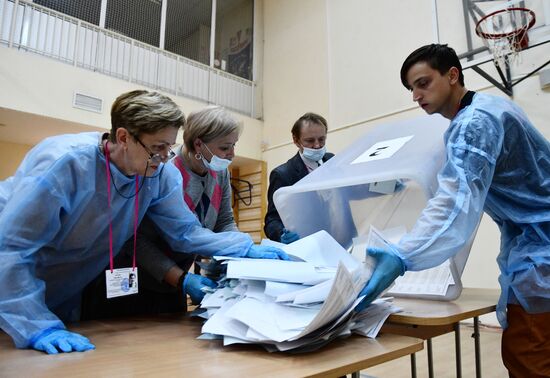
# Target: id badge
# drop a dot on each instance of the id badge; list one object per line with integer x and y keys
{"x": 123, "y": 281}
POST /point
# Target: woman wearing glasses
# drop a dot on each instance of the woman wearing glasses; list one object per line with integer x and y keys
{"x": 72, "y": 204}
{"x": 209, "y": 140}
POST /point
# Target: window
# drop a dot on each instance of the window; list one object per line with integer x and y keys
{"x": 137, "y": 19}
{"x": 85, "y": 10}
{"x": 188, "y": 25}
{"x": 187, "y": 30}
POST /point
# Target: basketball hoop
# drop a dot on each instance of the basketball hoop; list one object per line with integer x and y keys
{"x": 504, "y": 32}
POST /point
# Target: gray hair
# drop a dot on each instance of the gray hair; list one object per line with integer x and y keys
{"x": 208, "y": 124}
{"x": 144, "y": 112}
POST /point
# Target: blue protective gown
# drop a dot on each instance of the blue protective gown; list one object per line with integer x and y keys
{"x": 54, "y": 229}
{"x": 499, "y": 163}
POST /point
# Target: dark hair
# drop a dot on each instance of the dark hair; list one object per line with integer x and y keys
{"x": 307, "y": 118}
{"x": 438, "y": 57}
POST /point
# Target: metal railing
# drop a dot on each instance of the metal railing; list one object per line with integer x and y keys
{"x": 40, "y": 30}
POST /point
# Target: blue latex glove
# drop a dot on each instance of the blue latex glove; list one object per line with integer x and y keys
{"x": 53, "y": 341}
{"x": 288, "y": 237}
{"x": 389, "y": 266}
{"x": 192, "y": 285}
{"x": 266, "y": 252}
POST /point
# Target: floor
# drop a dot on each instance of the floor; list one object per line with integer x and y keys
{"x": 444, "y": 357}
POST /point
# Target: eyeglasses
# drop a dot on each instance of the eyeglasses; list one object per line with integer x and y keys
{"x": 156, "y": 158}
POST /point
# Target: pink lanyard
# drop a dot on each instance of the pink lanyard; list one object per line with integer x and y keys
{"x": 136, "y": 211}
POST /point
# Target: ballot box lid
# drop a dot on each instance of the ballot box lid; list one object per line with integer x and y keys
{"x": 384, "y": 179}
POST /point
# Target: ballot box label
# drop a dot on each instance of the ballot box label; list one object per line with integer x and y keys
{"x": 123, "y": 281}
{"x": 382, "y": 150}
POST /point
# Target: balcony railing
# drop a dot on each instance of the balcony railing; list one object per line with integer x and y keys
{"x": 40, "y": 30}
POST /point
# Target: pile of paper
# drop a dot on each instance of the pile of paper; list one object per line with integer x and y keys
{"x": 293, "y": 305}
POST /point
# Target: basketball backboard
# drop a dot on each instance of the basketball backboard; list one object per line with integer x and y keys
{"x": 454, "y": 22}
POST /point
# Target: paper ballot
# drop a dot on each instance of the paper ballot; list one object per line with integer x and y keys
{"x": 320, "y": 249}
{"x": 293, "y": 305}
{"x": 277, "y": 270}
{"x": 344, "y": 291}
{"x": 434, "y": 281}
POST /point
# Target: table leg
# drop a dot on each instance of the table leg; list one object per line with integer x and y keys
{"x": 430, "y": 359}
{"x": 476, "y": 337}
{"x": 356, "y": 374}
{"x": 457, "y": 351}
{"x": 413, "y": 365}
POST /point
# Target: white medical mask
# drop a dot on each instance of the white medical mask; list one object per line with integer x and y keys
{"x": 216, "y": 163}
{"x": 314, "y": 154}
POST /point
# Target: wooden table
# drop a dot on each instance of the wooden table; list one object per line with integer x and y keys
{"x": 427, "y": 318}
{"x": 167, "y": 346}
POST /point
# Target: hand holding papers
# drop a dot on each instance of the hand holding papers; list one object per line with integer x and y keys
{"x": 434, "y": 282}
{"x": 293, "y": 305}
{"x": 266, "y": 252}
{"x": 388, "y": 266}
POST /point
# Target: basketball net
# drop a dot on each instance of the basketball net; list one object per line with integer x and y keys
{"x": 504, "y": 32}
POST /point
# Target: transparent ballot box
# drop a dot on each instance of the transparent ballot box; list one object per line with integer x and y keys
{"x": 383, "y": 180}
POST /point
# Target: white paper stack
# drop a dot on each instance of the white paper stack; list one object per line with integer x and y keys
{"x": 294, "y": 305}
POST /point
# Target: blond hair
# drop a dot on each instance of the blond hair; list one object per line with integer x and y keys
{"x": 208, "y": 124}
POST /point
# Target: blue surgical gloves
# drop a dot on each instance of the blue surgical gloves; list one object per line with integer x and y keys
{"x": 193, "y": 284}
{"x": 54, "y": 341}
{"x": 388, "y": 267}
{"x": 266, "y": 252}
{"x": 288, "y": 237}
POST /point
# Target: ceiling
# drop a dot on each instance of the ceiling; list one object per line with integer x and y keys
{"x": 29, "y": 129}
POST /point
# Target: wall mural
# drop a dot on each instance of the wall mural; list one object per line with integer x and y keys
{"x": 239, "y": 59}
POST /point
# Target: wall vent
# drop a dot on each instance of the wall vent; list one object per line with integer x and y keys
{"x": 86, "y": 102}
